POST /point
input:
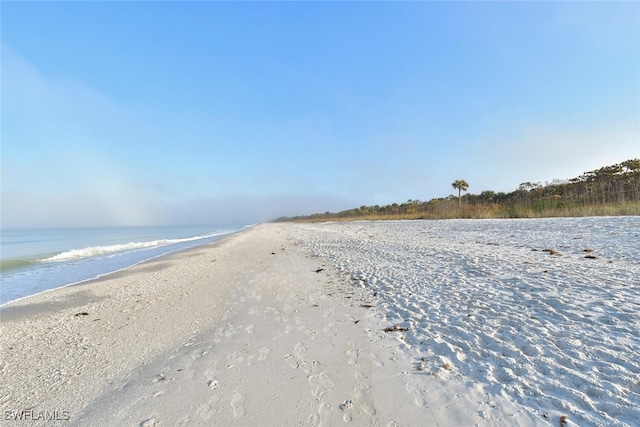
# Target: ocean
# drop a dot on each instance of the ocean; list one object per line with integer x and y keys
{"x": 37, "y": 260}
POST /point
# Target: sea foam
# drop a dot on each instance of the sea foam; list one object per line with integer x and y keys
{"x": 42, "y": 260}
{"x": 125, "y": 247}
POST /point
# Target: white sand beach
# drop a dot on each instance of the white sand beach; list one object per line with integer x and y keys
{"x": 284, "y": 324}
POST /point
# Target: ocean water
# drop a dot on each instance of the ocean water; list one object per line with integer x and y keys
{"x": 37, "y": 260}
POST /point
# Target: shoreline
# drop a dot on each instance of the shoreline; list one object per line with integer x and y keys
{"x": 250, "y": 330}
{"x": 49, "y": 321}
{"x": 103, "y": 275}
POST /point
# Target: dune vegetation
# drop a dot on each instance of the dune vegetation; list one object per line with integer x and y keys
{"x": 609, "y": 191}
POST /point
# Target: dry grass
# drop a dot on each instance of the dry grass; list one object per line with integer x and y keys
{"x": 488, "y": 212}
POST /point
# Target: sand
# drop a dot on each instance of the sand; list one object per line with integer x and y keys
{"x": 542, "y": 312}
{"x": 251, "y": 330}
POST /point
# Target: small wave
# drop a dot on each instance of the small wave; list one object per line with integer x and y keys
{"x": 93, "y": 251}
{"x": 13, "y": 264}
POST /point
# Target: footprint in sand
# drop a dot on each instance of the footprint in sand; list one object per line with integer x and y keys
{"x": 196, "y": 354}
{"x": 363, "y": 401}
{"x": 324, "y": 384}
{"x": 376, "y": 360}
{"x": 205, "y": 412}
{"x": 304, "y": 329}
{"x": 416, "y": 394}
{"x": 353, "y": 354}
{"x": 231, "y": 331}
{"x": 323, "y": 379}
{"x": 314, "y": 368}
{"x": 292, "y": 361}
{"x": 237, "y": 403}
{"x": 318, "y": 392}
{"x": 325, "y": 409}
{"x": 210, "y": 373}
{"x": 299, "y": 350}
{"x": 363, "y": 382}
{"x": 234, "y": 359}
{"x": 330, "y": 329}
{"x": 250, "y": 329}
{"x": 250, "y": 359}
{"x": 213, "y": 384}
{"x": 264, "y": 352}
{"x": 313, "y": 420}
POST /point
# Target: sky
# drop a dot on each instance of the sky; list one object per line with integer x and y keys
{"x": 151, "y": 113}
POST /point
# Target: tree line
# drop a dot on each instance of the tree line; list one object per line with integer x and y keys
{"x": 610, "y": 190}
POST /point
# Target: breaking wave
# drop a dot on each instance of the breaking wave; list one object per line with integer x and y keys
{"x": 93, "y": 251}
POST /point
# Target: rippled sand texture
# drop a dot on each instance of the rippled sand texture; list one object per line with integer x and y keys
{"x": 542, "y": 312}
{"x": 440, "y": 323}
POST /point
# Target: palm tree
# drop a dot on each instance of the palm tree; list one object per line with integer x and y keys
{"x": 460, "y": 185}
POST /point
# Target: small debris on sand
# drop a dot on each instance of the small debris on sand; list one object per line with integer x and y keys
{"x": 396, "y": 328}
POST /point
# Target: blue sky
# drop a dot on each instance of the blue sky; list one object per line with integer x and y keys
{"x": 144, "y": 113}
